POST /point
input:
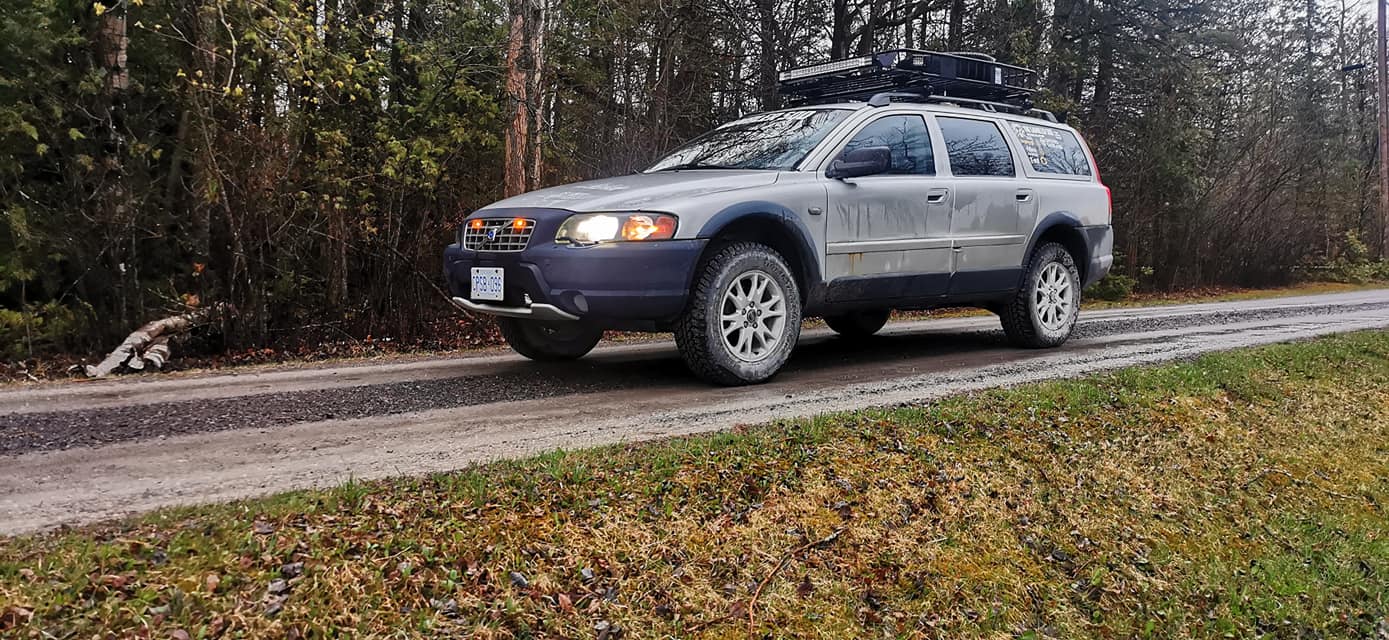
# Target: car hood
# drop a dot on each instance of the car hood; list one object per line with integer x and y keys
{"x": 662, "y": 191}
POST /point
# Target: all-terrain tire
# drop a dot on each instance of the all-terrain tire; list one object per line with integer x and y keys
{"x": 549, "y": 341}
{"x": 1023, "y": 316}
{"x": 699, "y": 331}
{"x": 858, "y": 324}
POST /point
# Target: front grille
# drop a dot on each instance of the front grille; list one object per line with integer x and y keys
{"x": 497, "y": 234}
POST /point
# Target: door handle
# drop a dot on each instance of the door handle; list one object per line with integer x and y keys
{"x": 937, "y": 196}
{"x": 1024, "y": 196}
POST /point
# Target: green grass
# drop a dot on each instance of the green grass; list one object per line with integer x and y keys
{"x": 1240, "y": 495}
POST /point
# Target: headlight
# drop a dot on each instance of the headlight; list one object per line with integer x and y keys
{"x": 592, "y": 228}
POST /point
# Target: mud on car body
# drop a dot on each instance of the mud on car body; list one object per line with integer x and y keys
{"x": 906, "y": 180}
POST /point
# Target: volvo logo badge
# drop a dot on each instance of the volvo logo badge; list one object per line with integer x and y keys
{"x": 492, "y": 234}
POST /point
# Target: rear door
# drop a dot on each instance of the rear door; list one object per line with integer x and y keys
{"x": 991, "y": 201}
{"x": 888, "y": 235}
{"x": 1059, "y": 168}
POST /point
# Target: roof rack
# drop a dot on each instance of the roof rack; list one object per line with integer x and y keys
{"x": 965, "y": 79}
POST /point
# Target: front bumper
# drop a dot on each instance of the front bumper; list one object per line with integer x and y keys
{"x": 534, "y": 311}
{"x": 621, "y": 285}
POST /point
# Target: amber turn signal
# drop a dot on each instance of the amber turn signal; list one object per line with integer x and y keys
{"x": 648, "y": 227}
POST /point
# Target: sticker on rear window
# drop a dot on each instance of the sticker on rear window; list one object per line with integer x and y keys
{"x": 1051, "y": 150}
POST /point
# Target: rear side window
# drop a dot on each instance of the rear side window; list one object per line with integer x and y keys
{"x": 976, "y": 147}
{"x": 906, "y": 137}
{"x": 1052, "y": 150}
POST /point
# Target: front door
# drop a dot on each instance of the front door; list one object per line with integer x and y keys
{"x": 888, "y": 235}
{"x": 990, "y": 203}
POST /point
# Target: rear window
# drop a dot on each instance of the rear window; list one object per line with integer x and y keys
{"x": 1052, "y": 150}
{"x": 976, "y": 147}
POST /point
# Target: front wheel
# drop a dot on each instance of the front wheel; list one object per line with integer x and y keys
{"x": 1043, "y": 311}
{"x": 549, "y": 341}
{"x": 743, "y": 317}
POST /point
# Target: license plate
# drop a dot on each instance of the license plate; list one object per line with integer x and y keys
{"x": 487, "y": 283}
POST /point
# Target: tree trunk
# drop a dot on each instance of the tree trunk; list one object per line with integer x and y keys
{"x": 908, "y": 27}
{"x": 1062, "y": 71}
{"x": 840, "y": 31}
{"x": 766, "y": 55}
{"x": 1104, "y": 84}
{"x": 112, "y": 44}
{"x": 956, "y": 24}
{"x": 870, "y": 27}
{"x": 112, "y": 201}
{"x": 207, "y": 190}
{"x": 535, "y": 93}
{"x": 517, "y": 90}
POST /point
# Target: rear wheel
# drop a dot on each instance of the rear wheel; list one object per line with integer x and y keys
{"x": 1043, "y": 311}
{"x": 743, "y": 318}
{"x": 858, "y": 324}
{"x": 549, "y": 341}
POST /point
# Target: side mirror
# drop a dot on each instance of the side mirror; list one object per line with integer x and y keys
{"x": 864, "y": 161}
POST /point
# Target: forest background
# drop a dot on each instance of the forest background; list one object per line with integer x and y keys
{"x": 305, "y": 161}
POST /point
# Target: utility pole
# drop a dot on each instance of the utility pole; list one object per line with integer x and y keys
{"x": 1383, "y": 63}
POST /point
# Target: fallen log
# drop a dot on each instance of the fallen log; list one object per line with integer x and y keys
{"x": 157, "y": 353}
{"x": 150, "y": 343}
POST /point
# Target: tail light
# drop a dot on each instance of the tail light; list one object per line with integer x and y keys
{"x": 1108, "y": 194}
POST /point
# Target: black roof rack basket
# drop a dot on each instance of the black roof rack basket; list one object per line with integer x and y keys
{"x": 968, "y": 76}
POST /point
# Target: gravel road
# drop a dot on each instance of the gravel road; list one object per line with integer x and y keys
{"x": 73, "y": 453}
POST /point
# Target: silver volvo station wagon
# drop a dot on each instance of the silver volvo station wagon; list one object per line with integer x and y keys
{"x": 901, "y": 180}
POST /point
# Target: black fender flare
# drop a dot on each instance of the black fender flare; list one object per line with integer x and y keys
{"x": 783, "y": 219}
{"x": 1072, "y": 225}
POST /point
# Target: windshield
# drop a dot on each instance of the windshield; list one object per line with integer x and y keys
{"x": 776, "y": 141}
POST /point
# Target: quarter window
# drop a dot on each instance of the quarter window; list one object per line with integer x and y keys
{"x": 906, "y": 137}
{"x": 976, "y": 147}
{"x": 1052, "y": 150}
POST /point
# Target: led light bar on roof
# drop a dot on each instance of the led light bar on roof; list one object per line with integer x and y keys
{"x": 837, "y": 66}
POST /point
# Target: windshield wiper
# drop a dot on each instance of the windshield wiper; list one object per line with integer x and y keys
{"x": 694, "y": 165}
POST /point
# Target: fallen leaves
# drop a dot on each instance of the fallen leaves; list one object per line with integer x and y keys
{"x": 292, "y": 570}
{"x": 1088, "y": 501}
{"x": 14, "y": 617}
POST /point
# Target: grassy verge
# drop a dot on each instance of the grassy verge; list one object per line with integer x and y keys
{"x": 1241, "y": 495}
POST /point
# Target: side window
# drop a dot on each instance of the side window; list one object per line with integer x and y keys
{"x": 976, "y": 147}
{"x": 1052, "y": 150}
{"x": 906, "y": 137}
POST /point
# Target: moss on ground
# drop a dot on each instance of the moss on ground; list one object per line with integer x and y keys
{"x": 1239, "y": 495}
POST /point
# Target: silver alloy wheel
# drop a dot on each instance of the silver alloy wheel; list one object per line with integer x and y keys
{"x": 752, "y": 316}
{"x": 1053, "y": 297}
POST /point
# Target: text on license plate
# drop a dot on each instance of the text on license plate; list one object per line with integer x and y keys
{"x": 487, "y": 283}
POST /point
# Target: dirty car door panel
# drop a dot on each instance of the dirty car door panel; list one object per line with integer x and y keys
{"x": 986, "y": 224}
{"x": 887, "y": 235}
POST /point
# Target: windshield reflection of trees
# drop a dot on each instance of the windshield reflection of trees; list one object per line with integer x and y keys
{"x": 769, "y": 141}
